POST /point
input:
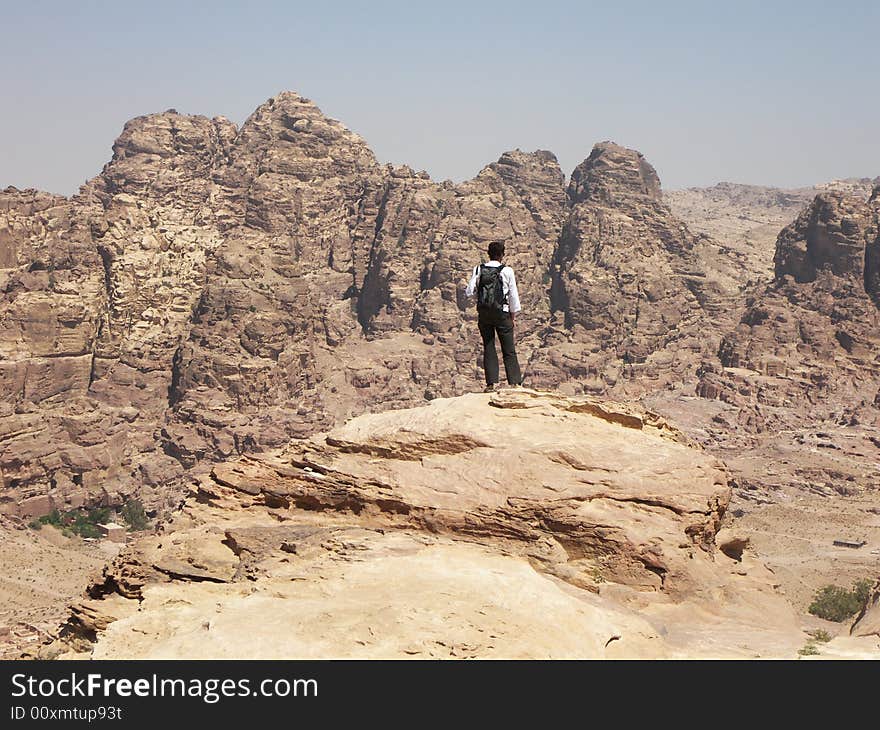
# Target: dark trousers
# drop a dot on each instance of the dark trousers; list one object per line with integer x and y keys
{"x": 501, "y": 323}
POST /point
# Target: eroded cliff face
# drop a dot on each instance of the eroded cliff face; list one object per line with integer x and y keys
{"x": 814, "y": 330}
{"x": 216, "y": 291}
{"x": 97, "y": 293}
{"x": 636, "y": 298}
{"x": 800, "y": 373}
{"x": 745, "y": 220}
{"x": 54, "y": 301}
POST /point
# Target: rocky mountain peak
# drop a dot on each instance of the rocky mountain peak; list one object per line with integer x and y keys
{"x": 613, "y": 174}
{"x": 534, "y": 168}
{"x": 537, "y": 180}
{"x": 168, "y": 134}
{"x": 293, "y": 126}
{"x": 217, "y": 297}
{"x": 227, "y": 289}
{"x": 830, "y": 234}
{"x": 809, "y": 338}
{"x": 156, "y": 152}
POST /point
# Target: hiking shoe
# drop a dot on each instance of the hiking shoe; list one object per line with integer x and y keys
{"x": 489, "y": 388}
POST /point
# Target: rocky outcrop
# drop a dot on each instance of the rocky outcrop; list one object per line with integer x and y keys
{"x": 743, "y": 221}
{"x": 523, "y": 524}
{"x": 43, "y": 572}
{"x": 217, "y": 296}
{"x": 50, "y": 317}
{"x": 102, "y": 288}
{"x": 219, "y": 291}
{"x": 628, "y": 281}
{"x": 800, "y": 370}
{"x": 814, "y": 329}
{"x": 867, "y": 623}
{"x": 828, "y": 235}
{"x": 353, "y": 298}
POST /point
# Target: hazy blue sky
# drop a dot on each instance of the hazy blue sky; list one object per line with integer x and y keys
{"x": 779, "y": 93}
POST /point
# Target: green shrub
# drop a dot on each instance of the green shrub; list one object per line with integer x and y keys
{"x": 834, "y": 603}
{"x": 134, "y": 515}
{"x": 75, "y": 522}
{"x": 82, "y": 527}
{"x": 53, "y": 518}
{"x": 862, "y": 590}
{"x": 808, "y": 649}
{"x": 820, "y": 635}
{"x": 85, "y": 522}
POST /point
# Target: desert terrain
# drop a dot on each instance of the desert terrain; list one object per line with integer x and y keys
{"x": 260, "y": 334}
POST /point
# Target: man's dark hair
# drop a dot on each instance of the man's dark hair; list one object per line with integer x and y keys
{"x": 496, "y": 250}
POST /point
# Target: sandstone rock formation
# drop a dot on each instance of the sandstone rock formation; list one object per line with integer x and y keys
{"x": 634, "y": 294}
{"x": 815, "y": 328}
{"x": 217, "y": 291}
{"x": 868, "y": 621}
{"x": 523, "y": 524}
{"x": 96, "y": 294}
{"x": 745, "y": 220}
{"x": 802, "y": 366}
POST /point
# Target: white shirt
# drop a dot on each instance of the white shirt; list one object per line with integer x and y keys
{"x": 509, "y": 281}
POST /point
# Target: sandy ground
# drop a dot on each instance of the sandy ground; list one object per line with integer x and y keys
{"x": 42, "y": 571}
{"x": 795, "y": 538}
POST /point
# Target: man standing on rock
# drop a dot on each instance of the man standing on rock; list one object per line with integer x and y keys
{"x": 494, "y": 284}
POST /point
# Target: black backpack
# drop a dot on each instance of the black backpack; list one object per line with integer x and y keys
{"x": 490, "y": 290}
